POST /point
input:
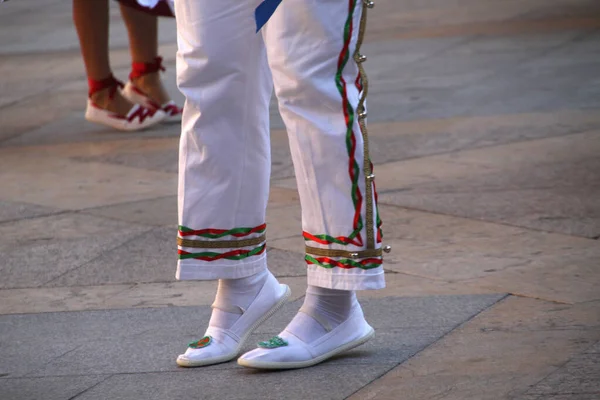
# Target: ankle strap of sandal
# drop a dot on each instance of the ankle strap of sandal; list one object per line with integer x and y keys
{"x": 110, "y": 82}
{"x": 139, "y": 69}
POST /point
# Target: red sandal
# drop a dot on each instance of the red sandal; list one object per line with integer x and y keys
{"x": 134, "y": 94}
{"x": 137, "y": 118}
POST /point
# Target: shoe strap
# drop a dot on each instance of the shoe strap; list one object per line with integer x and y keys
{"x": 172, "y": 109}
{"x": 109, "y": 82}
{"x": 317, "y": 317}
{"x": 139, "y": 112}
{"x": 224, "y": 336}
{"x": 228, "y": 308}
{"x": 139, "y": 69}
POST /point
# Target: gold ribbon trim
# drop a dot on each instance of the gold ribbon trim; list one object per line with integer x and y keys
{"x": 220, "y": 244}
{"x": 369, "y": 253}
{"x": 362, "y": 115}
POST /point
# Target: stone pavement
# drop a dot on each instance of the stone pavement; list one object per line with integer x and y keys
{"x": 485, "y": 131}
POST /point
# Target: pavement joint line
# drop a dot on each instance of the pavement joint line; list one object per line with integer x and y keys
{"x": 32, "y": 96}
{"x": 521, "y": 295}
{"x": 558, "y": 367}
{"x": 111, "y": 218}
{"x": 401, "y": 190}
{"x": 125, "y": 203}
{"x": 52, "y": 360}
{"x": 485, "y": 221}
{"x": 130, "y": 285}
{"x": 89, "y": 211}
{"x": 76, "y": 53}
{"x": 455, "y": 327}
{"x": 227, "y": 366}
{"x": 441, "y": 153}
{"x": 568, "y": 393}
{"x": 429, "y": 31}
{"x": 60, "y": 212}
{"x": 90, "y": 388}
{"x": 278, "y": 180}
{"x": 98, "y": 256}
{"x": 269, "y": 248}
{"x": 467, "y": 40}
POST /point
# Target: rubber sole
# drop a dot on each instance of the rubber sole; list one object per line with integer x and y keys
{"x": 307, "y": 363}
{"x": 238, "y": 349}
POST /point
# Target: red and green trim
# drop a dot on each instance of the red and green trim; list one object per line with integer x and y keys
{"x": 326, "y": 239}
{"x": 219, "y": 233}
{"x": 230, "y": 255}
{"x": 346, "y": 263}
{"x": 355, "y": 237}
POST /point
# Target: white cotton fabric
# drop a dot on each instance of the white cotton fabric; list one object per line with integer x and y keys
{"x": 148, "y": 3}
{"x": 227, "y": 73}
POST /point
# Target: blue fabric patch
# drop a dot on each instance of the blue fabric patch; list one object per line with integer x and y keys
{"x": 264, "y": 11}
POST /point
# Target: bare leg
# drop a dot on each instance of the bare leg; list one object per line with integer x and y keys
{"x": 91, "y": 22}
{"x": 143, "y": 43}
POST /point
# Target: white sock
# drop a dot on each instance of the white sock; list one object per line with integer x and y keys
{"x": 323, "y": 310}
{"x": 233, "y": 298}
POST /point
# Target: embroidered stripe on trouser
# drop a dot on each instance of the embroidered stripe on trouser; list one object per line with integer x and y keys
{"x": 226, "y": 71}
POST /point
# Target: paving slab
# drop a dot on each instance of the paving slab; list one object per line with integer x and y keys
{"x": 194, "y": 293}
{"x": 80, "y": 328}
{"x": 286, "y": 263}
{"x": 547, "y": 184}
{"x": 11, "y": 211}
{"x": 540, "y": 83}
{"x": 162, "y": 157}
{"x": 512, "y": 183}
{"x": 239, "y": 384}
{"x": 148, "y": 257}
{"x": 484, "y": 115}
{"x": 578, "y": 376}
{"x": 132, "y": 295}
{"x": 158, "y": 212}
{"x": 163, "y": 211}
{"x": 67, "y": 184}
{"x": 56, "y": 245}
{"x": 483, "y": 255}
{"x": 499, "y": 354}
{"x": 594, "y": 349}
{"x": 53, "y": 28}
{"x": 117, "y": 296}
{"x": 570, "y": 396}
{"x": 109, "y": 342}
{"x": 403, "y": 140}
{"x": 53, "y": 388}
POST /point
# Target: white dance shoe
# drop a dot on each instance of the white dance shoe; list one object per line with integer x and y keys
{"x": 222, "y": 345}
{"x": 287, "y": 351}
{"x": 136, "y": 119}
{"x": 137, "y": 96}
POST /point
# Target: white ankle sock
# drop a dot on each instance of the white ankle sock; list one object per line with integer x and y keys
{"x": 323, "y": 310}
{"x": 233, "y": 298}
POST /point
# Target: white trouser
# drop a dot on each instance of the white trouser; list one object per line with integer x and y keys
{"x": 226, "y": 71}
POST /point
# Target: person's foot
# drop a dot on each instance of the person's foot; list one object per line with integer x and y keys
{"x": 112, "y": 101}
{"x": 241, "y": 305}
{"x": 330, "y": 322}
{"x": 145, "y": 88}
{"x": 108, "y": 107}
{"x": 152, "y": 86}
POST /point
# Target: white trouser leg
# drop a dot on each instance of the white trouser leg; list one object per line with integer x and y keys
{"x": 224, "y": 161}
{"x": 310, "y": 47}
